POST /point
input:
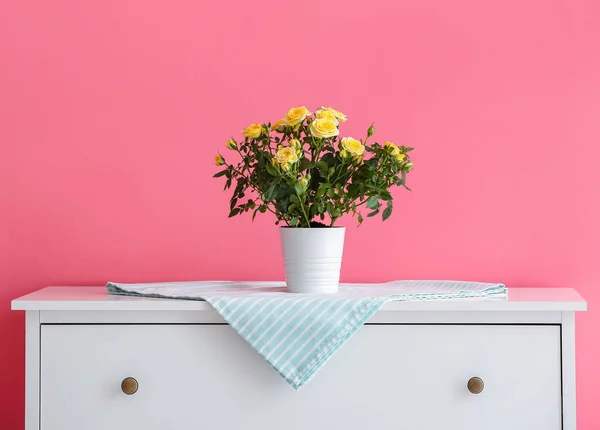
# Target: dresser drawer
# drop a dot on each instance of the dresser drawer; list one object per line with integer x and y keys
{"x": 387, "y": 377}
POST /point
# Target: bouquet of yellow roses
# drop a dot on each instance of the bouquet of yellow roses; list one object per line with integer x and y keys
{"x": 302, "y": 171}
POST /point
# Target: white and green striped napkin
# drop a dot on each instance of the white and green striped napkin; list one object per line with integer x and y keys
{"x": 298, "y": 333}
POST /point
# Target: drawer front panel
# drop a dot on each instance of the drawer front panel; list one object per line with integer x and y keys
{"x": 387, "y": 377}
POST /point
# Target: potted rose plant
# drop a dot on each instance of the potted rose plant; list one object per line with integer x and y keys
{"x": 307, "y": 176}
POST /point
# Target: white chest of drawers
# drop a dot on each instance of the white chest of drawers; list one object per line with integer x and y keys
{"x": 99, "y": 362}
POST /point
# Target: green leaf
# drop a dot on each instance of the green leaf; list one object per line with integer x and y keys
{"x": 373, "y": 202}
{"x": 304, "y": 164}
{"x": 385, "y": 195}
{"x": 331, "y": 192}
{"x": 234, "y": 212}
{"x": 329, "y": 207}
{"x": 255, "y": 212}
{"x": 227, "y": 184}
{"x": 378, "y": 189}
{"x": 262, "y": 209}
{"x": 360, "y": 219}
{"x": 241, "y": 183}
{"x": 232, "y": 204}
{"x": 292, "y": 207}
{"x": 282, "y": 204}
{"x": 298, "y": 188}
{"x": 294, "y": 222}
{"x": 221, "y": 173}
{"x": 387, "y": 211}
{"x": 270, "y": 192}
{"x": 271, "y": 169}
{"x": 322, "y": 167}
{"x": 321, "y": 192}
{"x": 403, "y": 181}
{"x": 375, "y": 212}
{"x": 313, "y": 210}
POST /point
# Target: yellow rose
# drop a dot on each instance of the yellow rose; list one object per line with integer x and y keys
{"x": 339, "y": 116}
{"x": 296, "y": 115}
{"x": 286, "y": 155}
{"x": 394, "y": 151}
{"x": 324, "y": 128}
{"x": 230, "y": 144}
{"x": 296, "y": 143}
{"x": 219, "y": 161}
{"x": 352, "y": 146}
{"x": 303, "y": 181}
{"x": 278, "y": 126}
{"x": 253, "y": 131}
{"x": 326, "y": 115}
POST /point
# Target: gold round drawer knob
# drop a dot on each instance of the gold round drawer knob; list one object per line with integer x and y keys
{"x": 129, "y": 386}
{"x": 475, "y": 385}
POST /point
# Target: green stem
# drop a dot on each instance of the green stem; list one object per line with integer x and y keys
{"x": 362, "y": 203}
{"x": 312, "y": 150}
{"x": 304, "y": 212}
{"x": 319, "y": 148}
{"x": 367, "y": 138}
{"x": 257, "y": 191}
{"x": 340, "y": 175}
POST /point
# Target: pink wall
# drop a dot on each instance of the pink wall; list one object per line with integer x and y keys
{"x": 110, "y": 112}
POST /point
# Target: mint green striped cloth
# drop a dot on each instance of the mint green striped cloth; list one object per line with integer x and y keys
{"x": 298, "y": 333}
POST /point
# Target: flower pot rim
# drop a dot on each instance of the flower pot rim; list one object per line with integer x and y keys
{"x": 312, "y": 228}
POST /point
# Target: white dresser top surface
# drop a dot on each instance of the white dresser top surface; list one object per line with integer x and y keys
{"x": 98, "y": 299}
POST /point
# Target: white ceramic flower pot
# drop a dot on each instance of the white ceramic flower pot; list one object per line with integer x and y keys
{"x": 312, "y": 258}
